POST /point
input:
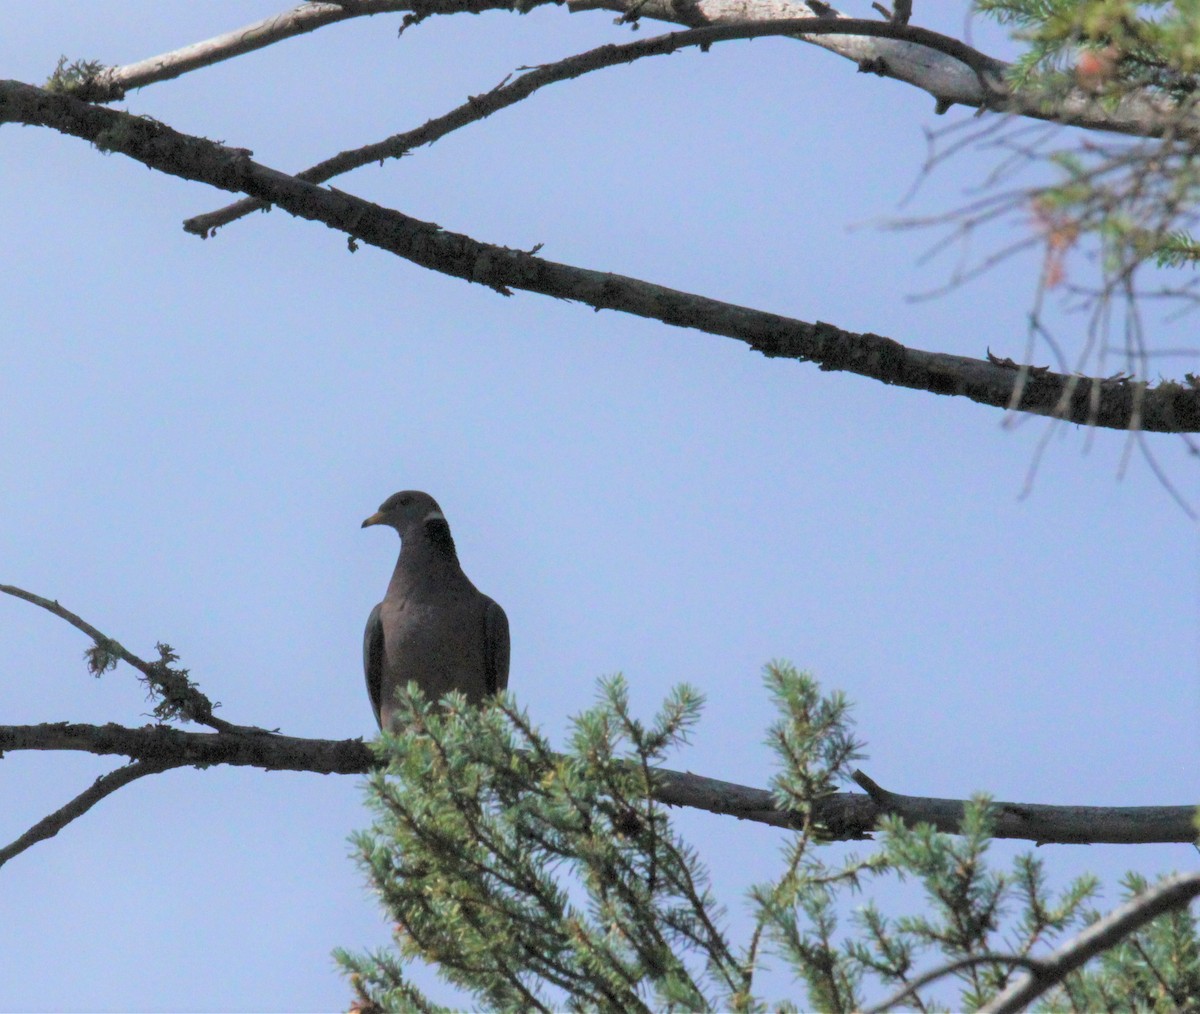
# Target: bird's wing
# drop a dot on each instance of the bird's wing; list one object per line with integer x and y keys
{"x": 373, "y": 659}
{"x": 496, "y": 648}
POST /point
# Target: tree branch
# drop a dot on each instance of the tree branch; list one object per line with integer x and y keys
{"x": 963, "y": 76}
{"x": 946, "y": 77}
{"x": 970, "y": 961}
{"x": 111, "y": 83}
{"x": 1169, "y": 407}
{"x": 1044, "y": 823}
{"x": 105, "y": 785}
{"x": 179, "y": 694}
{"x": 477, "y": 107}
{"x": 1166, "y": 896}
{"x": 175, "y": 747}
{"x": 843, "y": 815}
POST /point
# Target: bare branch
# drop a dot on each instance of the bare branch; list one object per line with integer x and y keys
{"x": 171, "y": 685}
{"x": 950, "y": 77}
{"x": 1166, "y": 896}
{"x": 1043, "y": 823}
{"x": 108, "y": 644}
{"x": 165, "y": 744}
{"x": 843, "y": 815}
{"x": 105, "y": 785}
{"x": 1169, "y": 407}
{"x": 112, "y": 83}
{"x": 477, "y": 107}
{"x": 947, "y": 78}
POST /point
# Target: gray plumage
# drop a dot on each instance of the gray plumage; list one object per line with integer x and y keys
{"x": 433, "y": 625}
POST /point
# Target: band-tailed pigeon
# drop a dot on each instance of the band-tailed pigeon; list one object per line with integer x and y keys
{"x": 433, "y": 625}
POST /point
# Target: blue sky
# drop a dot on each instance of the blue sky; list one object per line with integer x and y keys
{"x": 194, "y": 430}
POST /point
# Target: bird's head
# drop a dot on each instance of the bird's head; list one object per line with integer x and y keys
{"x": 412, "y": 512}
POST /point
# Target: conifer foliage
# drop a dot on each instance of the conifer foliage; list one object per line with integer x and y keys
{"x": 540, "y": 880}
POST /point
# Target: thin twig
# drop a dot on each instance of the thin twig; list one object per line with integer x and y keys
{"x": 1164, "y": 480}
{"x": 194, "y": 705}
{"x": 103, "y": 786}
{"x": 111, "y": 645}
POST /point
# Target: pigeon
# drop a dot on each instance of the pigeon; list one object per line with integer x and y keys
{"x": 433, "y": 625}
